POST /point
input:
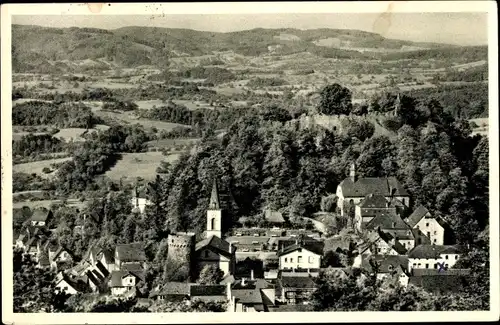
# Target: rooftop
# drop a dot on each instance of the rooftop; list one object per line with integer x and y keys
{"x": 207, "y": 290}
{"x": 374, "y": 201}
{"x": 417, "y": 215}
{"x": 40, "y": 215}
{"x": 133, "y": 252}
{"x": 433, "y": 251}
{"x": 273, "y": 216}
{"x": 315, "y": 247}
{"x": 217, "y": 244}
{"x": 368, "y": 185}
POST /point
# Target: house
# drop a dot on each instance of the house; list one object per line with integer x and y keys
{"x": 251, "y": 295}
{"x": 301, "y": 255}
{"x": 353, "y": 189}
{"x": 376, "y": 205}
{"x": 213, "y": 292}
{"x": 139, "y": 200}
{"x": 124, "y": 281}
{"x": 70, "y": 285}
{"x": 439, "y": 282}
{"x": 172, "y": 291}
{"x": 60, "y": 257}
{"x": 249, "y": 243}
{"x": 216, "y": 251}
{"x": 434, "y": 256}
{"x": 392, "y": 224}
{"x": 41, "y": 217}
{"x": 106, "y": 259}
{"x": 274, "y": 217}
{"x": 295, "y": 290}
{"x": 129, "y": 253}
{"x": 383, "y": 266}
{"x": 428, "y": 225}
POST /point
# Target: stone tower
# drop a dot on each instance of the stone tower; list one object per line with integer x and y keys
{"x": 214, "y": 214}
{"x": 181, "y": 248}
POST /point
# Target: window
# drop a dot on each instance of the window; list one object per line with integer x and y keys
{"x": 414, "y": 264}
{"x": 435, "y": 265}
{"x": 446, "y": 257}
{"x": 427, "y": 224}
{"x": 311, "y": 259}
{"x": 391, "y": 267}
{"x": 435, "y": 232}
{"x": 130, "y": 280}
{"x": 419, "y": 265}
{"x": 300, "y": 250}
{"x": 456, "y": 257}
{"x": 429, "y": 234}
{"x": 435, "y": 240}
{"x": 286, "y": 259}
{"x": 426, "y": 266}
{"x": 206, "y": 253}
{"x": 65, "y": 288}
{"x": 299, "y": 259}
{"x": 212, "y": 224}
{"x": 291, "y": 259}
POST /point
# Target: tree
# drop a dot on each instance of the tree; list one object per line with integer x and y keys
{"x": 210, "y": 274}
{"x": 335, "y": 99}
{"x": 329, "y": 203}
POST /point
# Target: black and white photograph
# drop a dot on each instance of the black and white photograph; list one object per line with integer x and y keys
{"x": 159, "y": 162}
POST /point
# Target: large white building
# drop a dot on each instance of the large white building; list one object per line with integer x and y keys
{"x": 428, "y": 225}
{"x": 353, "y": 189}
{"x": 433, "y": 256}
{"x": 301, "y": 255}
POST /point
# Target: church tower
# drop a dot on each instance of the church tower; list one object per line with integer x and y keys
{"x": 352, "y": 172}
{"x": 214, "y": 213}
{"x": 397, "y": 105}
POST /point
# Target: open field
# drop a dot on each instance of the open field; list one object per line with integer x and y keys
{"x": 36, "y": 167}
{"x": 483, "y": 126}
{"x": 171, "y": 143}
{"x": 133, "y": 165}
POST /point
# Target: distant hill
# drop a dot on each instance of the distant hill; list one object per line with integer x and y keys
{"x": 36, "y": 47}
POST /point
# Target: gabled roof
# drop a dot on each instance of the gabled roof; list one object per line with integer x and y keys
{"x": 207, "y": 290}
{"x": 298, "y": 282}
{"x": 40, "y": 215}
{"x": 376, "y": 185}
{"x": 315, "y": 247}
{"x": 388, "y": 220}
{"x": 251, "y": 284}
{"x": 439, "y": 284}
{"x": 417, "y": 215}
{"x": 397, "y": 246}
{"x": 374, "y": 201}
{"x": 248, "y": 296}
{"x": 174, "y": 288}
{"x": 434, "y": 251}
{"x": 116, "y": 277}
{"x": 93, "y": 278}
{"x": 108, "y": 256}
{"x": 60, "y": 250}
{"x": 43, "y": 259}
{"x": 102, "y": 269}
{"x": 385, "y": 263}
{"x": 133, "y": 252}
{"x": 216, "y": 244}
{"x": 273, "y": 216}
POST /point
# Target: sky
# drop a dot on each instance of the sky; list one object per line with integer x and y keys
{"x": 452, "y": 28}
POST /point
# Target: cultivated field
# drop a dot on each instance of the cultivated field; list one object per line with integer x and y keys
{"x": 134, "y": 165}
{"x": 36, "y": 167}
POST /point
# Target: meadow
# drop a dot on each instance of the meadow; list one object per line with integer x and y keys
{"x": 36, "y": 167}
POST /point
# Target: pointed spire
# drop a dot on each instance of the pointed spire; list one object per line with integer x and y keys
{"x": 214, "y": 197}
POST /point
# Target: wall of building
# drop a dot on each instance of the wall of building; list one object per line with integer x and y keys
{"x": 117, "y": 291}
{"x": 383, "y": 248}
{"x": 407, "y": 243}
{"x": 428, "y": 263}
{"x": 207, "y": 257}
{"x": 432, "y": 229}
{"x": 300, "y": 259}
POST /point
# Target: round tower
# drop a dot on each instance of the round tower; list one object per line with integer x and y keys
{"x": 181, "y": 250}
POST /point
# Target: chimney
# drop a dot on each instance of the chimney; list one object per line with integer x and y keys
{"x": 230, "y": 247}
{"x": 243, "y": 282}
{"x": 251, "y": 275}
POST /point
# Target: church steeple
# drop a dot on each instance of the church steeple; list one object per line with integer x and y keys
{"x": 214, "y": 213}
{"x": 214, "y": 197}
{"x": 397, "y": 105}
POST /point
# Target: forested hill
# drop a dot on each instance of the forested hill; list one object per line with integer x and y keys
{"x": 132, "y": 46}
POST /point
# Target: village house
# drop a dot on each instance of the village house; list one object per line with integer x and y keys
{"x": 139, "y": 200}
{"x": 60, "y": 258}
{"x": 274, "y": 218}
{"x": 429, "y": 226}
{"x": 434, "y": 256}
{"x": 125, "y": 281}
{"x": 254, "y": 295}
{"x": 393, "y": 225}
{"x": 41, "y": 217}
{"x": 375, "y": 205}
{"x": 353, "y": 189}
{"x": 301, "y": 255}
{"x": 129, "y": 253}
{"x": 209, "y": 292}
{"x": 295, "y": 290}
{"x": 249, "y": 243}
{"x": 172, "y": 291}
{"x": 69, "y": 285}
{"x": 438, "y": 281}
{"x": 383, "y": 266}
{"x": 215, "y": 251}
